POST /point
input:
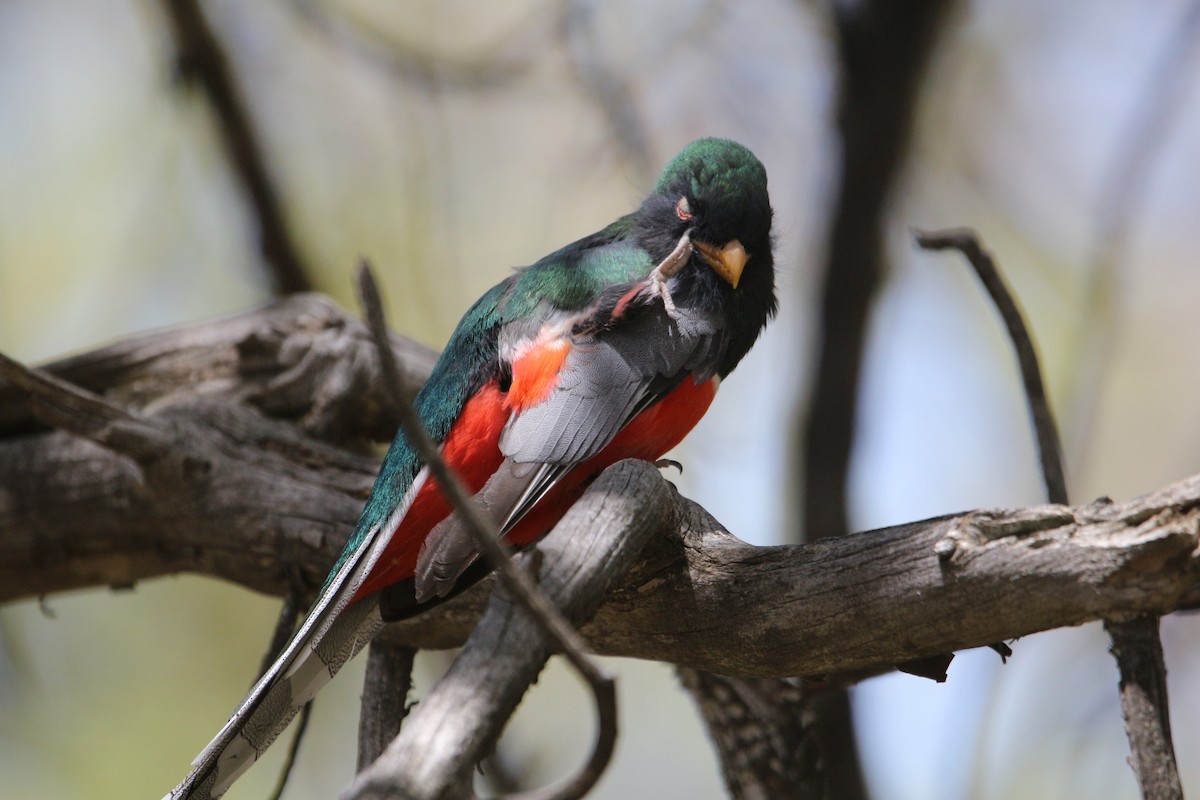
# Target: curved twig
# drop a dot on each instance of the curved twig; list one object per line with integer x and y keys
{"x": 552, "y": 624}
{"x": 1049, "y": 446}
{"x": 1135, "y": 639}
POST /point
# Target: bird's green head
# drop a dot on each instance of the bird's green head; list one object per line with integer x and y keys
{"x": 717, "y": 190}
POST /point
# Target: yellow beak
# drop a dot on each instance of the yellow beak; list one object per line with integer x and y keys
{"x": 727, "y": 261}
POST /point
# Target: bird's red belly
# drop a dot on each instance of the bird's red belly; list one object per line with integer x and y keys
{"x": 647, "y": 436}
{"x": 472, "y": 450}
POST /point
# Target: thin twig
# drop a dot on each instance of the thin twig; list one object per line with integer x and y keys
{"x": 552, "y": 624}
{"x": 1135, "y": 642}
{"x": 1138, "y": 651}
{"x": 202, "y": 59}
{"x": 1046, "y": 430}
{"x": 385, "y": 696}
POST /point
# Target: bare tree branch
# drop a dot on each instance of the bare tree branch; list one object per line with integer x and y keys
{"x": 1045, "y": 429}
{"x": 260, "y": 501}
{"x": 712, "y": 602}
{"x": 300, "y": 359}
{"x": 1136, "y": 644}
{"x": 82, "y": 509}
{"x": 1138, "y": 651}
{"x": 268, "y": 497}
{"x": 882, "y": 49}
{"x": 202, "y": 59}
{"x": 60, "y": 404}
{"x": 385, "y": 696}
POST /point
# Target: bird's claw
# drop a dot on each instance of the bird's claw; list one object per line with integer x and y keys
{"x": 663, "y": 463}
{"x": 667, "y": 269}
{"x": 658, "y": 288}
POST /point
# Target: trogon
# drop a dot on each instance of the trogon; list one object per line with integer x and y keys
{"x": 609, "y": 348}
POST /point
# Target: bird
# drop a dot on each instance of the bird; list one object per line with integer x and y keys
{"x": 611, "y": 347}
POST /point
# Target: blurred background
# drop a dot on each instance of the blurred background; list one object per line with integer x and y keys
{"x": 450, "y": 141}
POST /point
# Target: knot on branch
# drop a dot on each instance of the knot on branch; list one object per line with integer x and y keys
{"x": 980, "y": 528}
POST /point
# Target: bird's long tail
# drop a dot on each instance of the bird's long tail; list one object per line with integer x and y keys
{"x": 332, "y": 633}
{"x": 275, "y": 700}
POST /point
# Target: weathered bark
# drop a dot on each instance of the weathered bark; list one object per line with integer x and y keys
{"x": 763, "y": 734}
{"x": 709, "y": 601}
{"x": 384, "y": 698}
{"x": 237, "y": 449}
{"x": 1138, "y": 652}
{"x": 301, "y": 359}
{"x": 243, "y": 480}
{"x": 229, "y": 492}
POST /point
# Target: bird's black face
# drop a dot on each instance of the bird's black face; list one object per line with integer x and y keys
{"x": 727, "y": 232}
{"x": 716, "y": 192}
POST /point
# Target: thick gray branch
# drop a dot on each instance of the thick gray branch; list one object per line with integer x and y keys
{"x": 259, "y": 501}
{"x": 699, "y": 597}
{"x": 711, "y": 602}
{"x": 300, "y": 359}
{"x": 240, "y": 483}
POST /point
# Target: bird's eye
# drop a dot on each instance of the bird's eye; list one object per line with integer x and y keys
{"x": 683, "y": 210}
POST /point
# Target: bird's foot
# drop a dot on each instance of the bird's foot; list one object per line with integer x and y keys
{"x": 667, "y": 269}
{"x": 663, "y": 463}
{"x": 658, "y": 288}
